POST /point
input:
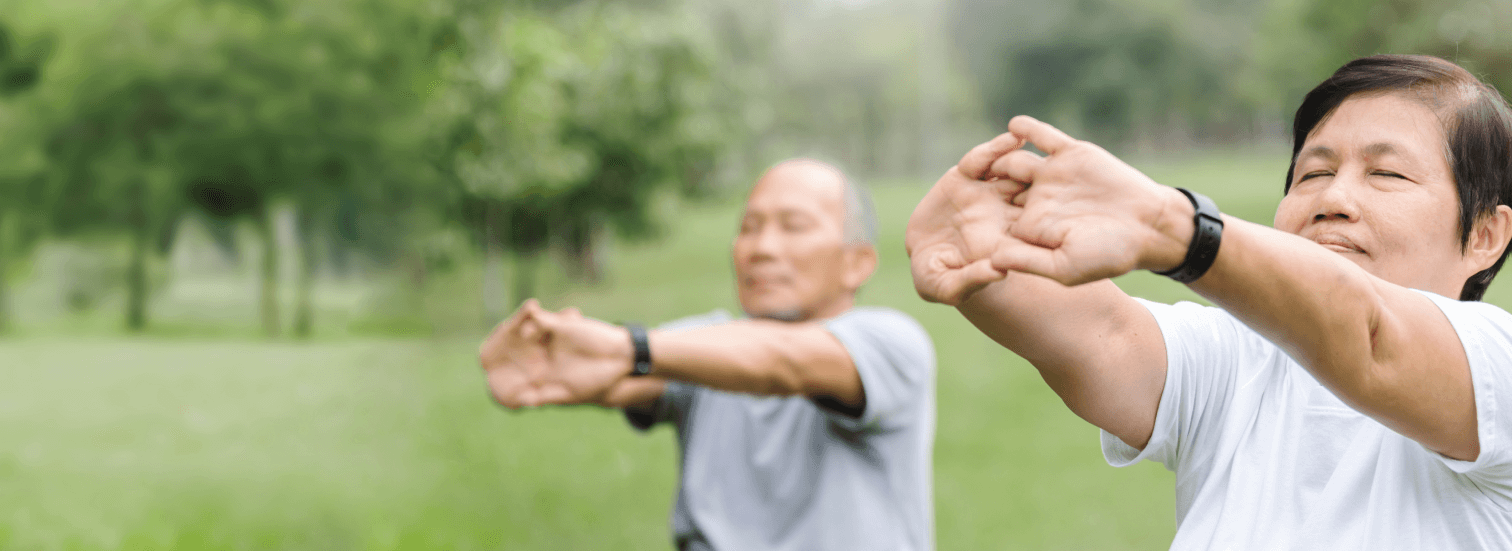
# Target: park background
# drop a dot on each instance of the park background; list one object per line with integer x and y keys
{"x": 248, "y": 247}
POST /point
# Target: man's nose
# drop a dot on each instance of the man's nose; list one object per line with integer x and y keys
{"x": 767, "y": 241}
{"x": 761, "y": 244}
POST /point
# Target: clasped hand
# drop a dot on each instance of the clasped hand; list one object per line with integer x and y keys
{"x": 539, "y": 357}
{"x": 1076, "y": 215}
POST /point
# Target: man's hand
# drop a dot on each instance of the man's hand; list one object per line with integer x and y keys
{"x": 1086, "y": 215}
{"x": 960, "y": 224}
{"x": 539, "y": 357}
{"x": 514, "y": 362}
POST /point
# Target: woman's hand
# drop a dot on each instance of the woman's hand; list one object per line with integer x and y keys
{"x": 1086, "y": 215}
{"x": 960, "y": 224}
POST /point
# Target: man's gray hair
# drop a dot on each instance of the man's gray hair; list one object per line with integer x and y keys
{"x": 860, "y": 214}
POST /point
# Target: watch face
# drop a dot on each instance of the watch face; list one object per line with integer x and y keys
{"x": 642, "y": 368}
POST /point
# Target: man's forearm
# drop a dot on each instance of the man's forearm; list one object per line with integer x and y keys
{"x": 759, "y": 357}
{"x": 635, "y": 392}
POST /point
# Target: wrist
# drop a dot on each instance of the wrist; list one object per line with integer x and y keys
{"x": 1173, "y": 230}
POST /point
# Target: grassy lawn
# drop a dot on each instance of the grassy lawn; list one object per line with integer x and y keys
{"x": 352, "y": 443}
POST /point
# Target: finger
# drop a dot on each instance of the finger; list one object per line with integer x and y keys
{"x": 506, "y": 389}
{"x": 531, "y": 329}
{"x": 973, "y": 277}
{"x": 510, "y": 324}
{"x": 547, "y": 319}
{"x": 951, "y": 283}
{"x": 976, "y": 162}
{"x": 1020, "y": 165}
{"x": 553, "y": 395}
{"x": 1031, "y": 259}
{"x": 572, "y": 313}
{"x": 1047, "y": 138}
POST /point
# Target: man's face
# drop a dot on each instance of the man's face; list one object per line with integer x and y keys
{"x": 790, "y": 257}
{"x": 1373, "y": 183}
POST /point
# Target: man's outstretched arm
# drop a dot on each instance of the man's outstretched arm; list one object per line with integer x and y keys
{"x": 760, "y": 357}
{"x": 582, "y": 360}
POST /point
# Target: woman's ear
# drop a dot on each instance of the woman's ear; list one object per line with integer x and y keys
{"x": 860, "y": 262}
{"x": 1492, "y": 232}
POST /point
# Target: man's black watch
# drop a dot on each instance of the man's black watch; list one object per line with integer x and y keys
{"x": 642, "y": 364}
{"x": 1207, "y": 234}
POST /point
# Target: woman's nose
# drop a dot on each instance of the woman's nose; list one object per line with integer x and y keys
{"x": 1339, "y": 201}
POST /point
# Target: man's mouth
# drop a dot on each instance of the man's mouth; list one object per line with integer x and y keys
{"x": 759, "y": 282}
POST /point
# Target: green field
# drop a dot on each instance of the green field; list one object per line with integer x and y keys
{"x": 354, "y": 442}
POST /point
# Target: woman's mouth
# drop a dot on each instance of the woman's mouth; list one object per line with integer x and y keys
{"x": 1338, "y": 243}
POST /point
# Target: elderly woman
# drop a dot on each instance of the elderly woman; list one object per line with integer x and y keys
{"x": 1338, "y": 396}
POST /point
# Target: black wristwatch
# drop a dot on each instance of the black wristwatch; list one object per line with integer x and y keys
{"x": 1207, "y": 234}
{"x": 642, "y": 365}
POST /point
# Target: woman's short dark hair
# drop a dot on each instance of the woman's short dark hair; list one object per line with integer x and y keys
{"x": 1477, "y": 125}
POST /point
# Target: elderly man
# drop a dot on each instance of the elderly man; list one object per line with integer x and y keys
{"x": 808, "y": 424}
{"x": 1347, "y": 391}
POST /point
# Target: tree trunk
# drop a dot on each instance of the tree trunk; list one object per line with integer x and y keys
{"x": 304, "y": 313}
{"x": 933, "y": 98}
{"x": 4, "y": 291}
{"x": 524, "y": 276}
{"x": 136, "y": 271}
{"x": 269, "y": 287}
{"x": 493, "y": 263}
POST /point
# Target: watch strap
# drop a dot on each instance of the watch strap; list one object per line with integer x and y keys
{"x": 1207, "y": 235}
{"x": 642, "y": 364}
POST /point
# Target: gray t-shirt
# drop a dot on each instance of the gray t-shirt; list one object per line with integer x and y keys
{"x": 782, "y": 473}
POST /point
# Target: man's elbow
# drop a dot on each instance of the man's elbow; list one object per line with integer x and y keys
{"x": 788, "y": 380}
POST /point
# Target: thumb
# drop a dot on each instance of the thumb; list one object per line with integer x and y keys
{"x": 972, "y": 277}
{"x": 1030, "y": 259}
{"x": 954, "y": 285}
{"x": 547, "y": 320}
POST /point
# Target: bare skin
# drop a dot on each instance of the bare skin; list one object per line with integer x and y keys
{"x": 1371, "y": 215}
{"x": 793, "y": 269}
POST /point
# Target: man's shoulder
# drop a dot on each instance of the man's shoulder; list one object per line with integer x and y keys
{"x": 880, "y": 316}
{"x": 882, "y": 326}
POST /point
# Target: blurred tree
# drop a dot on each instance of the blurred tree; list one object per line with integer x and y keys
{"x": 1307, "y": 41}
{"x": 283, "y": 104}
{"x": 1147, "y": 73}
{"x": 20, "y": 171}
{"x": 318, "y": 114}
{"x": 566, "y": 122}
{"x": 876, "y": 86}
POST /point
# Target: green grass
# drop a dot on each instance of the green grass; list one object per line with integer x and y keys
{"x": 363, "y": 444}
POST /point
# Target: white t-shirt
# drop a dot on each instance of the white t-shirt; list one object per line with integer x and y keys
{"x": 1266, "y": 458}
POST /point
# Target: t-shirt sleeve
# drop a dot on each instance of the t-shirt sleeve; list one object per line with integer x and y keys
{"x": 1485, "y": 331}
{"x": 671, "y": 407}
{"x": 1203, "y": 345}
{"x": 677, "y": 397}
{"x": 896, "y": 362}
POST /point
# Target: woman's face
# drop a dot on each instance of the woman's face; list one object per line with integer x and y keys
{"x": 1373, "y": 183}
